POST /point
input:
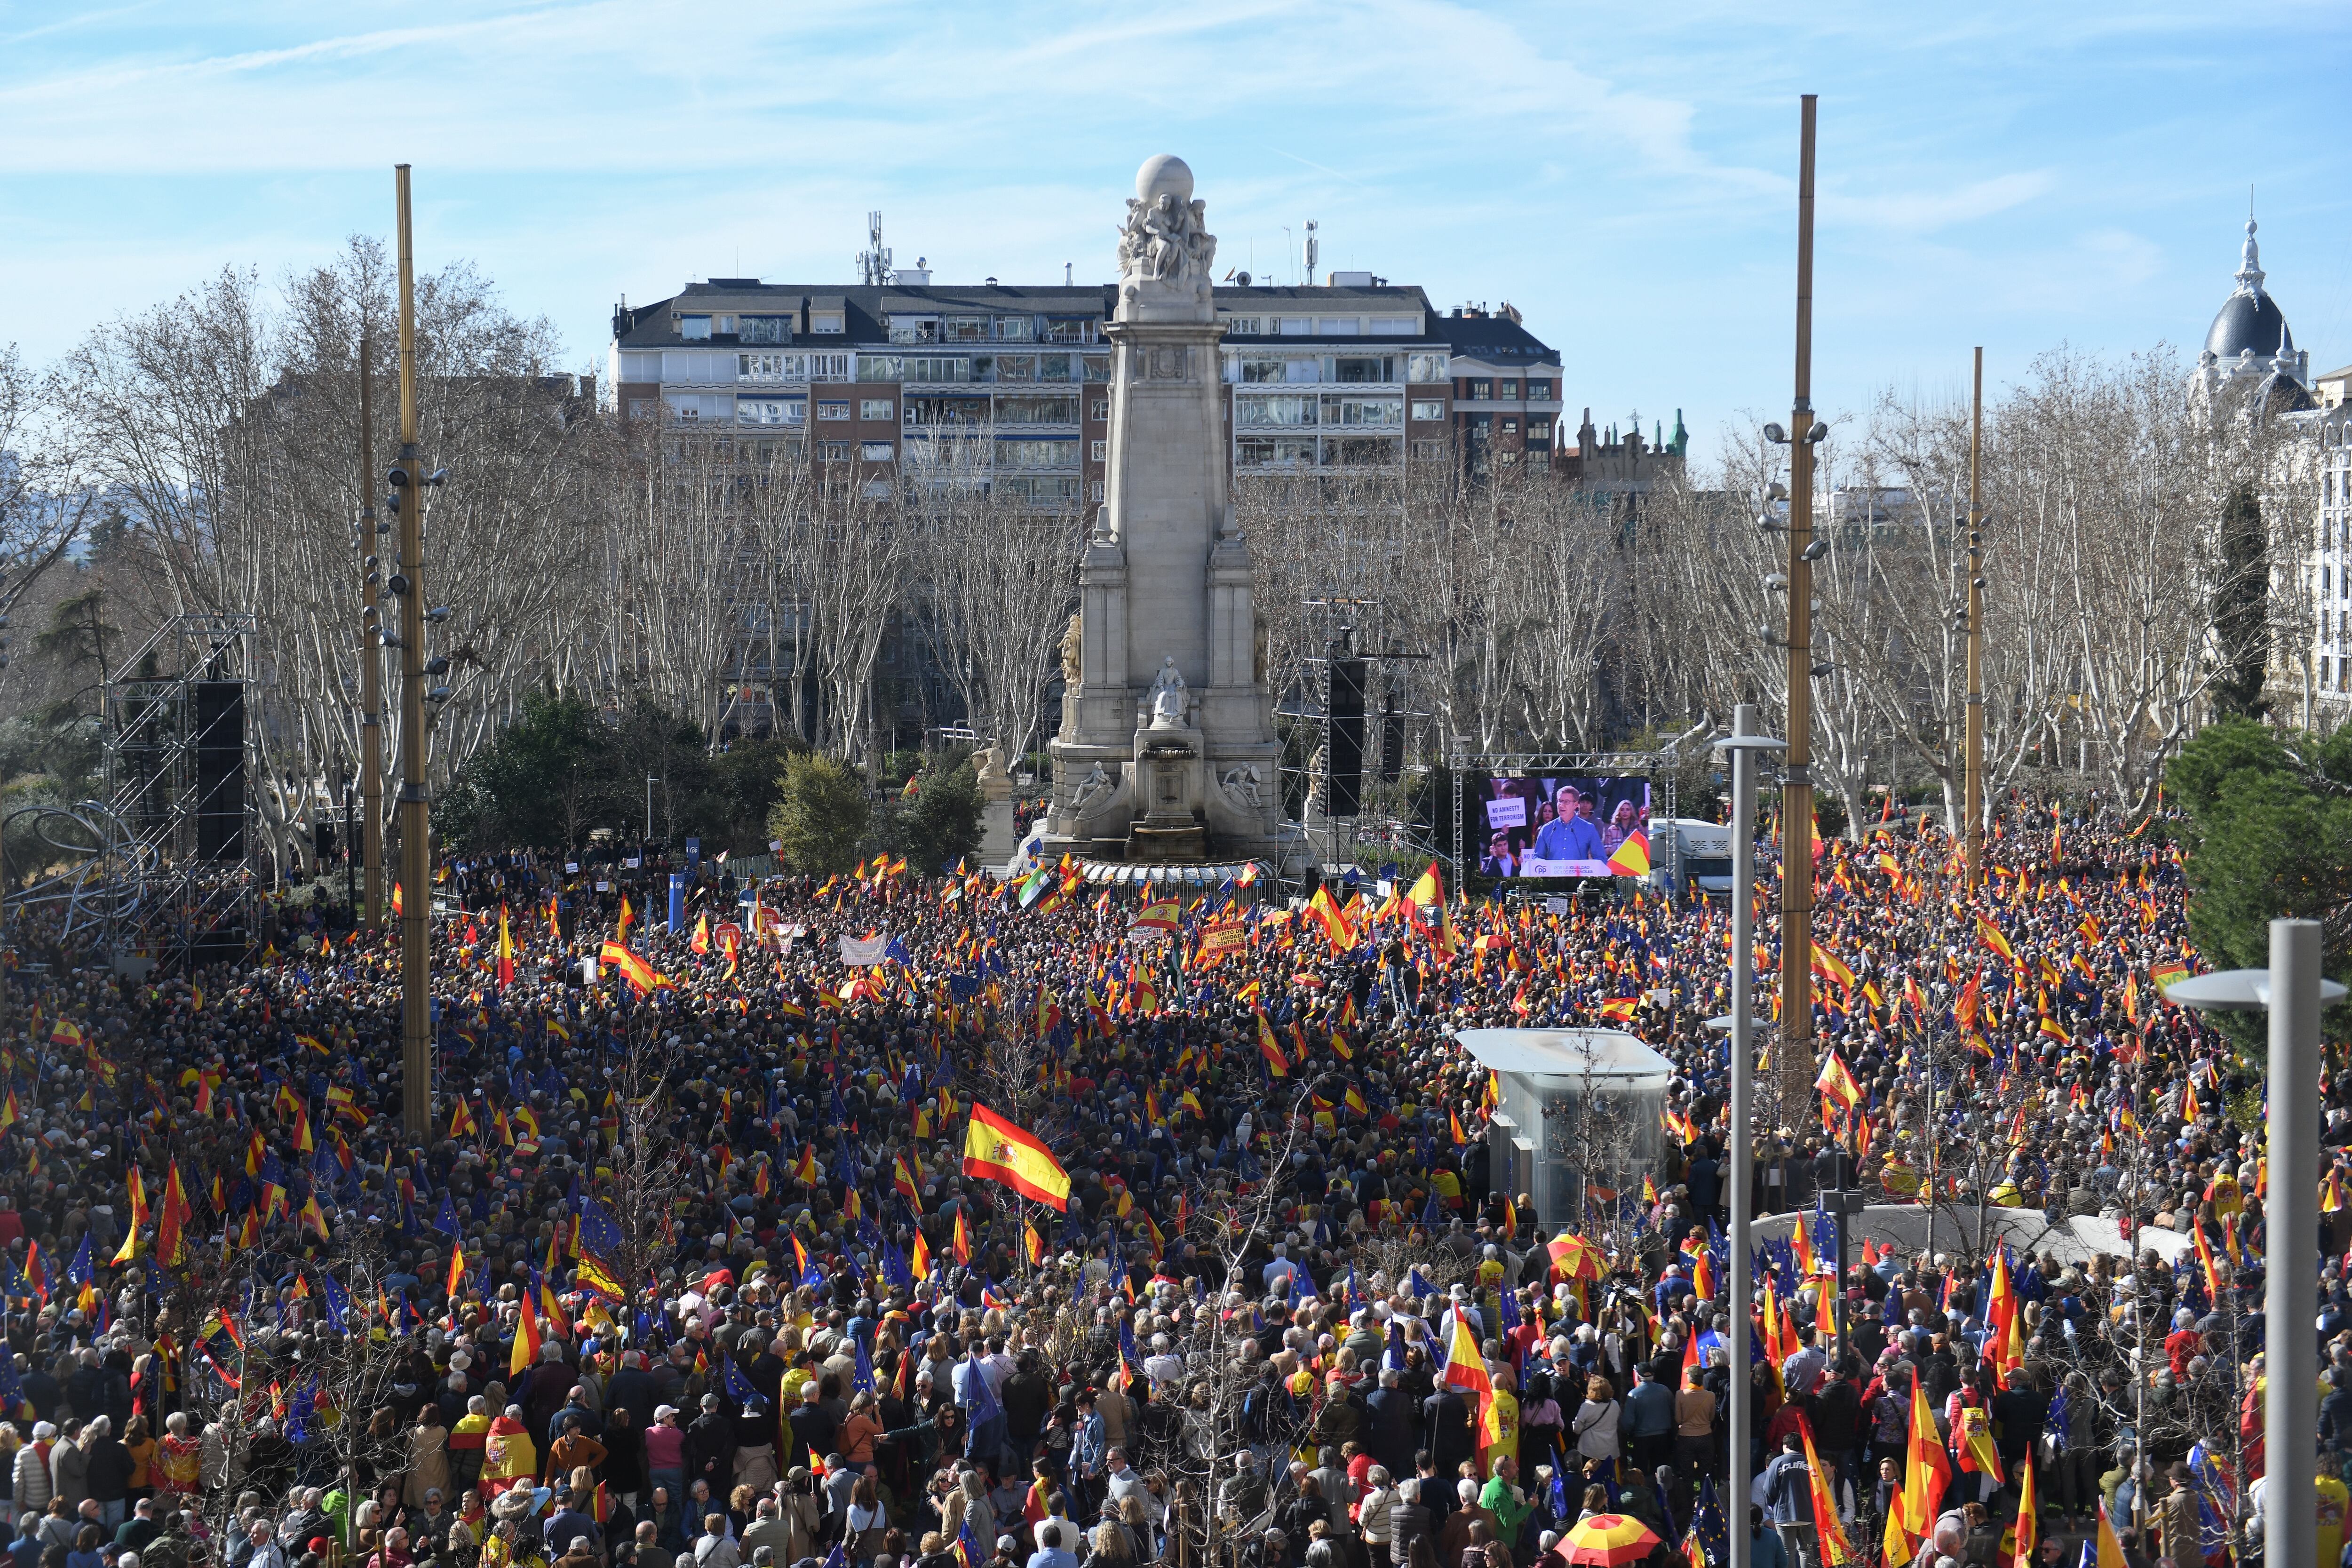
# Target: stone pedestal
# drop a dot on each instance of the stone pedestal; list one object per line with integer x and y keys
{"x": 997, "y": 838}
{"x": 1165, "y": 600}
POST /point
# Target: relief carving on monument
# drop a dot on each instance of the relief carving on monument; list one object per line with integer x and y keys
{"x": 1073, "y": 637}
{"x": 1244, "y": 786}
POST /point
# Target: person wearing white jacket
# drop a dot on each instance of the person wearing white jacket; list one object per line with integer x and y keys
{"x": 32, "y": 1488}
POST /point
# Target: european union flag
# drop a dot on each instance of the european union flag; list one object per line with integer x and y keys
{"x": 739, "y": 1389}
{"x": 862, "y": 1380}
{"x": 1417, "y": 1285}
{"x": 599, "y": 1232}
{"x": 336, "y": 1299}
{"x": 445, "y": 1222}
{"x": 81, "y": 1271}
{"x": 978, "y": 1397}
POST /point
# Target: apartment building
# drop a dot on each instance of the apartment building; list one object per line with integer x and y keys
{"x": 912, "y": 381}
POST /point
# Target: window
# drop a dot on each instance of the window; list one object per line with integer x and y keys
{"x": 939, "y": 370}
{"x": 694, "y": 328}
{"x": 1424, "y": 367}
{"x": 1246, "y": 326}
{"x": 1510, "y": 389}
{"x": 1016, "y": 329}
{"x": 1099, "y": 410}
{"x": 1389, "y": 411}
{"x": 1337, "y": 326}
{"x": 1510, "y": 426}
{"x": 914, "y": 329}
{"x": 1363, "y": 368}
{"x": 1425, "y": 409}
{"x": 767, "y": 329}
{"x": 963, "y": 328}
{"x": 1035, "y": 408}
{"x": 1013, "y": 367}
{"x": 833, "y": 451}
{"x": 1428, "y": 451}
{"x": 825, "y": 321}
{"x": 1098, "y": 367}
{"x": 828, "y": 367}
{"x": 1538, "y": 429}
{"x": 1248, "y": 368}
{"x": 1073, "y": 329}
{"x": 1036, "y": 454}
{"x": 876, "y": 408}
{"x": 1296, "y": 326}
{"x": 1101, "y": 450}
{"x": 927, "y": 411}
{"x": 1275, "y": 452}
{"x": 771, "y": 411}
{"x": 832, "y": 410}
{"x": 772, "y": 367}
{"x": 1045, "y": 489}
{"x": 876, "y": 451}
{"x": 1096, "y": 489}
{"x": 881, "y": 367}
{"x": 1482, "y": 389}
{"x": 1359, "y": 452}
{"x": 1254, "y": 413}
{"x": 1541, "y": 391}
{"x": 1395, "y": 326}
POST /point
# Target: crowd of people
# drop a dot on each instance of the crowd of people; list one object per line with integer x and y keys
{"x": 689, "y": 1266}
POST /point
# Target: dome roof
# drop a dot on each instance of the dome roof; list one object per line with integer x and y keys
{"x": 2250, "y": 318}
{"x": 2247, "y": 321}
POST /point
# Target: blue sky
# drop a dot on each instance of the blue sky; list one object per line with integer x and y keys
{"x": 1625, "y": 174}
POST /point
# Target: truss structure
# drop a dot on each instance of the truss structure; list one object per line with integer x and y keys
{"x": 158, "y": 867}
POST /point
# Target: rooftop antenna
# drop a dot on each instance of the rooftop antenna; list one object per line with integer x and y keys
{"x": 873, "y": 263}
{"x": 1311, "y": 253}
{"x": 1069, "y": 269}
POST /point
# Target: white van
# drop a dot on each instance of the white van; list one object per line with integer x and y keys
{"x": 1702, "y": 855}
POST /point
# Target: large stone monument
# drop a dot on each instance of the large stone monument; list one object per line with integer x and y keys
{"x": 1167, "y": 752}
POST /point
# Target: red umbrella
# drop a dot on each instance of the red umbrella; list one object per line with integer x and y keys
{"x": 1609, "y": 1540}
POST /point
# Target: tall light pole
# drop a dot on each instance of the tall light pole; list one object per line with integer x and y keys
{"x": 1740, "y": 747}
{"x": 370, "y": 844}
{"x": 2293, "y": 991}
{"x": 1974, "y": 795}
{"x": 1796, "y": 1045}
{"x": 407, "y": 584}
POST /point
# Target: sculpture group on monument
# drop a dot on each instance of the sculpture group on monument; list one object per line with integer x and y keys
{"x": 1167, "y": 752}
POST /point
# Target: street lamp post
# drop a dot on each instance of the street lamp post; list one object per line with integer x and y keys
{"x": 2293, "y": 992}
{"x": 1739, "y": 748}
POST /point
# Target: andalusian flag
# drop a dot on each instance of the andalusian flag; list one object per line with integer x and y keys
{"x": 997, "y": 1151}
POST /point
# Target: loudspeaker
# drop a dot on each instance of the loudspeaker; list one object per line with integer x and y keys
{"x": 1391, "y": 735}
{"x": 220, "y": 770}
{"x": 1344, "y": 756}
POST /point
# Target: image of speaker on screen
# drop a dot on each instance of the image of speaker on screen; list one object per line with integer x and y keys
{"x": 1561, "y": 828}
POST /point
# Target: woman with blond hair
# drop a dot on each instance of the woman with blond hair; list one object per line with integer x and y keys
{"x": 1594, "y": 1427}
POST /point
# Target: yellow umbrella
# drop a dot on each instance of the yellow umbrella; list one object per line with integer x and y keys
{"x": 1609, "y": 1540}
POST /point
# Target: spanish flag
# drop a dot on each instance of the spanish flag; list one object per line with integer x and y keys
{"x": 1633, "y": 856}
{"x": 1991, "y": 936}
{"x": 997, "y": 1151}
{"x": 1837, "y": 1083}
{"x": 525, "y": 1354}
{"x": 1271, "y": 1049}
{"x": 921, "y": 1261}
{"x": 962, "y": 1239}
{"x": 505, "y": 949}
{"x": 634, "y": 970}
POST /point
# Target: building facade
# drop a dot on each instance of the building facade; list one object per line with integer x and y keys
{"x": 906, "y": 380}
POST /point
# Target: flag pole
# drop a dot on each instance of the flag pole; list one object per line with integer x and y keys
{"x": 1974, "y": 796}
{"x": 415, "y": 826}
{"x": 1796, "y": 1053}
